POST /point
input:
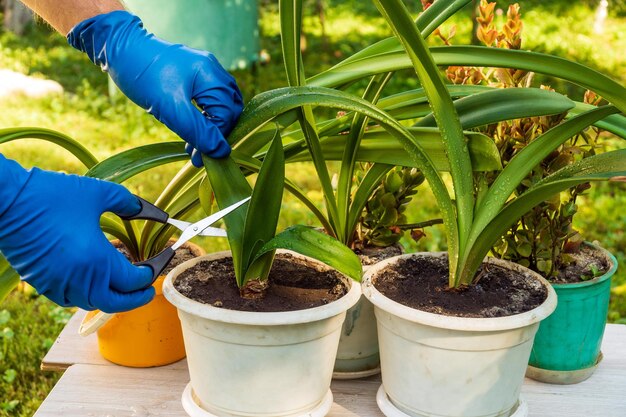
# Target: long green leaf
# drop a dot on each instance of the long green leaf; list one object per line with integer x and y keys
{"x": 71, "y": 145}
{"x": 124, "y": 165}
{"x": 500, "y": 104}
{"x": 309, "y": 242}
{"x": 379, "y": 146}
{"x": 594, "y": 168}
{"x": 397, "y": 16}
{"x": 230, "y": 186}
{"x": 396, "y": 59}
{"x": 615, "y": 123}
{"x": 263, "y": 212}
{"x": 528, "y": 158}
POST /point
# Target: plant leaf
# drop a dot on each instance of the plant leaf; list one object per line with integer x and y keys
{"x": 263, "y": 212}
{"x": 124, "y": 165}
{"x": 528, "y": 158}
{"x": 397, "y": 16}
{"x": 71, "y": 145}
{"x": 378, "y": 146}
{"x": 230, "y": 186}
{"x": 309, "y": 242}
{"x": 594, "y": 168}
{"x": 396, "y": 59}
{"x": 505, "y": 104}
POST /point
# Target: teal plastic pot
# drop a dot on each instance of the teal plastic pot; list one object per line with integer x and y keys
{"x": 567, "y": 345}
{"x": 226, "y": 28}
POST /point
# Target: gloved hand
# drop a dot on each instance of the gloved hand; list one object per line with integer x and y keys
{"x": 50, "y": 234}
{"x": 165, "y": 79}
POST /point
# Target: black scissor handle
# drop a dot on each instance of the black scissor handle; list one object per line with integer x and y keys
{"x": 158, "y": 262}
{"x": 148, "y": 212}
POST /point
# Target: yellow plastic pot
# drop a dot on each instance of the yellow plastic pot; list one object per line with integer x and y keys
{"x": 147, "y": 336}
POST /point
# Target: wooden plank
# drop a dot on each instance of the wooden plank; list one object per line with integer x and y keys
{"x": 602, "y": 395}
{"x": 71, "y": 348}
{"x": 101, "y": 390}
{"x": 98, "y": 390}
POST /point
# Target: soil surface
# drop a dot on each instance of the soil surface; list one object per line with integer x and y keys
{"x": 584, "y": 262}
{"x": 294, "y": 285}
{"x": 371, "y": 255}
{"x": 422, "y": 283}
{"x": 183, "y": 254}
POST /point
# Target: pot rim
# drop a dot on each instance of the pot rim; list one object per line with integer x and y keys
{"x": 485, "y": 324}
{"x": 608, "y": 274}
{"x": 280, "y": 318}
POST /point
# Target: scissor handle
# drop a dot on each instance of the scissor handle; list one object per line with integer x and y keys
{"x": 158, "y": 262}
{"x": 148, "y": 212}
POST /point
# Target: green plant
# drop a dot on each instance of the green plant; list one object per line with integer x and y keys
{"x": 479, "y": 214}
{"x": 543, "y": 237}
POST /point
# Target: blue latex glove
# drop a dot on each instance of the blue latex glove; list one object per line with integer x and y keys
{"x": 165, "y": 79}
{"x": 50, "y": 234}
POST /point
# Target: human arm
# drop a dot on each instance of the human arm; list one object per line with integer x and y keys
{"x": 165, "y": 79}
{"x": 50, "y": 234}
{"x": 64, "y": 15}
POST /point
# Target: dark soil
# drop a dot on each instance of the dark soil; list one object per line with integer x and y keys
{"x": 183, "y": 254}
{"x": 582, "y": 266}
{"x": 422, "y": 283}
{"x": 371, "y": 255}
{"x": 294, "y": 285}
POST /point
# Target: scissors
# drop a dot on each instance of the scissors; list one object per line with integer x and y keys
{"x": 189, "y": 230}
{"x": 149, "y": 211}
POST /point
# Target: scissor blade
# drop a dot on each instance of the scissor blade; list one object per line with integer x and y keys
{"x": 209, "y": 231}
{"x": 196, "y": 228}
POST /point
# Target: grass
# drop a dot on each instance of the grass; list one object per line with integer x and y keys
{"x": 105, "y": 126}
{"x": 28, "y": 328}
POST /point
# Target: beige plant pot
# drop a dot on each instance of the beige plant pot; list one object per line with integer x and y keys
{"x": 258, "y": 364}
{"x": 436, "y": 365}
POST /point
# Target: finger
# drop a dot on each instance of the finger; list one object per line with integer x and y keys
{"x": 118, "y": 199}
{"x": 112, "y": 301}
{"x": 196, "y": 159}
{"x": 126, "y": 277}
{"x": 217, "y": 94}
{"x": 184, "y": 119}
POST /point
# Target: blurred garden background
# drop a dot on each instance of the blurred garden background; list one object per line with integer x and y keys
{"x": 576, "y": 29}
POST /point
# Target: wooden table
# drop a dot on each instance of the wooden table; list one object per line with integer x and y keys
{"x": 93, "y": 387}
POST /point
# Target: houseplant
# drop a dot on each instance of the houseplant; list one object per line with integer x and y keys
{"x": 283, "y": 356}
{"x": 567, "y": 344}
{"x": 470, "y": 233}
{"x": 149, "y": 335}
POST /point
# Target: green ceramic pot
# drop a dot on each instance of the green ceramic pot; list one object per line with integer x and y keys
{"x": 567, "y": 345}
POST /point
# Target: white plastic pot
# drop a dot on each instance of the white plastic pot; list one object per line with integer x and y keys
{"x": 357, "y": 355}
{"x": 443, "y": 366}
{"x": 259, "y": 364}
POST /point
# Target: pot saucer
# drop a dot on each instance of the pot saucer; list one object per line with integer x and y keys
{"x": 562, "y": 377}
{"x": 389, "y": 410}
{"x": 193, "y": 409}
{"x": 356, "y": 375}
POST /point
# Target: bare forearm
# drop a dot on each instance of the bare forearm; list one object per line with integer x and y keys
{"x": 63, "y": 15}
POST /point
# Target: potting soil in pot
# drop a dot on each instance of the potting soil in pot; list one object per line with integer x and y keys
{"x": 294, "y": 285}
{"x": 585, "y": 264}
{"x": 371, "y": 255}
{"x": 422, "y": 283}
